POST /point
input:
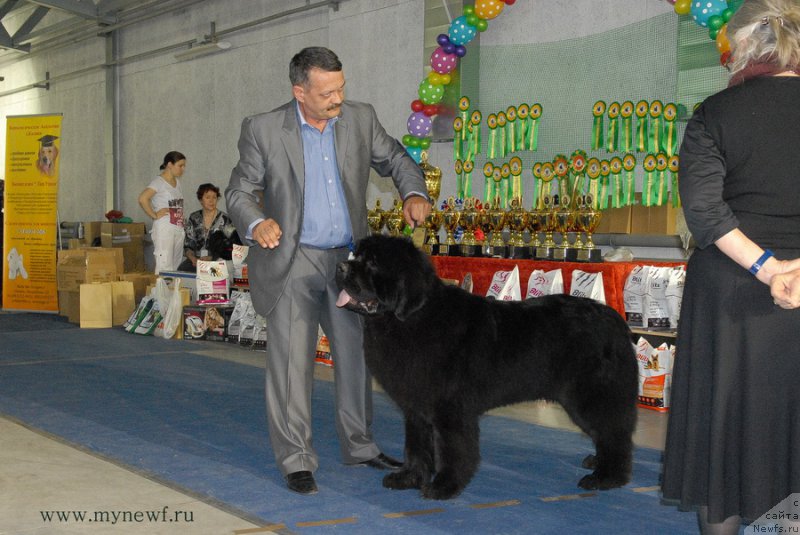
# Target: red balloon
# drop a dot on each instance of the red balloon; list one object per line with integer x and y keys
{"x": 725, "y": 57}
{"x": 417, "y": 105}
{"x": 430, "y": 110}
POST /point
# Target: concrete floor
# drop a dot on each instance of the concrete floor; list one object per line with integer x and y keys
{"x": 38, "y": 474}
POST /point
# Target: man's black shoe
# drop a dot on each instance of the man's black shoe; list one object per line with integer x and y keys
{"x": 383, "y": 462}
{"x": 301, "y": 482}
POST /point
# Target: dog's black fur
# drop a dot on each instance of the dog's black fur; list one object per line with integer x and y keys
{"x": 446, "y": 356}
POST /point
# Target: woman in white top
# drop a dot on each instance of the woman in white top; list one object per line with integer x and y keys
{"x": 162, "y": 200}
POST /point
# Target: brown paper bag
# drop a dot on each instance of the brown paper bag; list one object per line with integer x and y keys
{"x": 123, "y": 301}
{"x": 96, "y": 309}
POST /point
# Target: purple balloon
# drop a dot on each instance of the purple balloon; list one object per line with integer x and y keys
{"x": 419, "y": 124}
{"x": 460, "y": 51}
{"x": 443, "y": 39}
{"x": 449, "y": 48}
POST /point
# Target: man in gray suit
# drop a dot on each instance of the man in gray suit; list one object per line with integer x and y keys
{"x": 298, "y": 194}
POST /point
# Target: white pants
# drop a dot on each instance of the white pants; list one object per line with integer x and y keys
{"x": 167, "y": 245}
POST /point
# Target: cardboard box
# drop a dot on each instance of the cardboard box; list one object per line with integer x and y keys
{"x": 86, "y": 265}
{"x": 130, "y": 238}
{"x": 206, "y": 322}
{"x": 140, "y": 283}
{"x": 69, "y": 305}
{"x": 91, "y": 233}
{"x": 615, "y": 221}
{"x": 653, "y": 219}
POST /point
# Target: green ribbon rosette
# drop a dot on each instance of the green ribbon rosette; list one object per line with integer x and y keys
{"x": 501, "y": 127}
{"x": 615, "y": 164}
{"x": 515, "y": 168}
{"x": 561, "y": 170}
{"x": 491, "y": 147}
{"x": 548, "y": 174}
{"x": 629, "y": 191}
{"x": 511, "y": 129}
{"x": 463, "y": 112}
{"x": 626, "y": 112}
{"x": 458, "y": 140}
{"x": 672, "y": 165}
{"x": 474, "y": 137}
{"x": 648, "y": 188}
{"x": 642, "y": 109}
{"x": 601, "y": 201}
{"x": 656, "y": 129}
{"x": 497, "y": 185}
{"x": 670, "y": 138}
{"x": 458, "y": 166}
{"x": 488, "y": 190}
{"x": 469, "y": 165}
{"x": 505, "y": 188}
{"x": 536, "y": 170}
{"x": 577, "y": 167}
{"x": 593, "y": 173}
{"x": 532, "y": 129}
{"x": 598, "y": 111}
{"x": 613, "y": 126}
{"x": 661, "y": 186}
{"x": 523, "y": 116}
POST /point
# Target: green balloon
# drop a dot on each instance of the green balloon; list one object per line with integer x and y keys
{"x": 715, "y": 22}
{"x": 726, "y": 14}
{"x": 482, "y": 25}
{"x": 712, "y": 33}
{"x": 430, "y": 93}
{"x": 735, "y": 4}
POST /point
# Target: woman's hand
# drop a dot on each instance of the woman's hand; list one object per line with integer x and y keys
{"x": 785, "y": 286}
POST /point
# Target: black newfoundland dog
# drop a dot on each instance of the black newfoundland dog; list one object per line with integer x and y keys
{"x": 446, "y": 356}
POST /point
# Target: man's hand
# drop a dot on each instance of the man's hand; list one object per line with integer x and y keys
{"x": 267, "y": 234}
{"x": 415, "y": 210}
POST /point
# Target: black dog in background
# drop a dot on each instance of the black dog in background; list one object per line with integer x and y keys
{"x": 446, "y": 356}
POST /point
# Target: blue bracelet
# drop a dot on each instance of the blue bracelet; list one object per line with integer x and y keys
{"x": 760, "y": 262}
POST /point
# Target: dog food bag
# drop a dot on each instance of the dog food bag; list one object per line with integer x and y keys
{"x": 656, "y": 314}
{"x": 542, "y": 283}
{"x": 212, "y": 282}
{"x": 677, "y": 278}
{"x": 505, "y": 286}
{"x": 655, "y": 374}
{"x": 588, "y": 285}
{"x": 241, "y": 305}
{"x": 633, "y": 296}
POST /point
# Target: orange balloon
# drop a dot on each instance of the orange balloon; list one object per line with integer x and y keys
{"x": 488, "y": 9}
{"x": 683, "y": 7}
{"x": 723, "y": 44}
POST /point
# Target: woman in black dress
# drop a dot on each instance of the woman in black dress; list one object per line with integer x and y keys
{"x": 733, "y": 441}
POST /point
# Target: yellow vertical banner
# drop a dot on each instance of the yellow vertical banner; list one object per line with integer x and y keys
{"x": 30, "y": 213}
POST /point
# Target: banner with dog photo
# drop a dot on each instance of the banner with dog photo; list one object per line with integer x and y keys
{"x": 30, "y": 215}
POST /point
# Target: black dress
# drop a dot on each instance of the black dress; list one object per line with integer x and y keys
{"x": 733, "y": 441}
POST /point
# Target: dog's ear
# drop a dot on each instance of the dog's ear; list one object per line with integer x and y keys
{"x": 409, "y": 298}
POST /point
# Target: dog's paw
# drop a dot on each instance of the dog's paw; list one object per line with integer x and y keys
{"x": 595, "y": 482}
{"x": 441, "y": 489}
{"x": 402, "y": 480}
{"x": 590, "y": 462}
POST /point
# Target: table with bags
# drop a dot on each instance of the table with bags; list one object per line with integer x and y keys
{"x": 482, "y": 271}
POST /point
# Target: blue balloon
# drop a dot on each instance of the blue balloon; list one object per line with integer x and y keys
{"x": 415, "y": 153}
{"x": 702, "y": 10}
{"x": 462, "y": 32}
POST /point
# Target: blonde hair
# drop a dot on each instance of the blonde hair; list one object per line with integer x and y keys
{"x": 766, "y": 30}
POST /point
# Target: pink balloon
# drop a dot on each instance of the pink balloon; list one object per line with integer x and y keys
{"x": 442, "y": 62}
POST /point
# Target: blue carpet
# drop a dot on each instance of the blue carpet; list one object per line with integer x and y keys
{"x": 198, "y": 423}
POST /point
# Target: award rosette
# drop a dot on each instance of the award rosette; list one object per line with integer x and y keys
{"x": 488, "y": 190}
{"x": 469, "y": 165}
{"x": 629, "y": 192}
{"x": 670, "y": 138}
{"x": 656, "y": 130}
{"x": 463, "y": 114}
{"x": 505, "y": 174}
{"x": 626, "y": 112}
{"x": 511, "y": 129}
{"x": 497, "y": 184}
{"x": 673, "y": 164}
{"x": 532, "y": 131}
{"x": 616, "y": 182}
{"x": 474, "y": 135}
{"x": 577, "y": 167}
{"x": 458, "y": 167}
{"x": 613, "y": 126}
{"x": 561, "y": 170}
{"x": 501, "y": 127}
{"x": 642, "y": 109}
{"x": 515, "y": 168}
{"x": 648, "y": 189}
{"x": 601, "y": 200}
{"x": 458, "y": 140}
{"x": 536, "y": 171}
{"x": 491, "y": 147}
{"x": 661, "y": 186}
{"x": 598, "y": 111}
{"x": 593, "y": 172}
{"x": 524, "y": 117}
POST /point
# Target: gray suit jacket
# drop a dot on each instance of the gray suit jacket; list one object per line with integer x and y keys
{"x": 271, "y": 161}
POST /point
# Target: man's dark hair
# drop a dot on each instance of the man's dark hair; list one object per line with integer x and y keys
{"x": 313, "y": 57}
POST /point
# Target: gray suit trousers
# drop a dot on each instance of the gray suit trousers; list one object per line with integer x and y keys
{"x": 309, "y": 301}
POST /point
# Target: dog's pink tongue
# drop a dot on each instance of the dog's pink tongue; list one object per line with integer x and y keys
{"x": 344, "y": 298}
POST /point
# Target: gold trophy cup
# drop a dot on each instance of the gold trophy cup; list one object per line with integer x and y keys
{"x": 470, "y": 220}
{"x": 588, "y": 219}
{"x": 565, "y": 220}
{"x": 518, "y": 222}
{"x": 547, "y": 218}
{"x": 496, "y": 221}
{"x": 450, "y": 220}
{"x": 395, "y": 219}
{"x": 432, "y": 224}
{"x": 376, "y": 218}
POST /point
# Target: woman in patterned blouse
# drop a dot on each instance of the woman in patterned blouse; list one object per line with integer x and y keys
{"x": 210, "y": 233}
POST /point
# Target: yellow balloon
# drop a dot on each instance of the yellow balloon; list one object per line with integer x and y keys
{"x": 445, "y": 79}
{"x": 435, "y": 78}
{"x": 488, "y": 9}
{"x": 683, "y": 7}
{"x": 723, "y": 44}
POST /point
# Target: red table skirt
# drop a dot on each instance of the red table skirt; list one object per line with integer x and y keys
{"x": 483, "y": 269}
